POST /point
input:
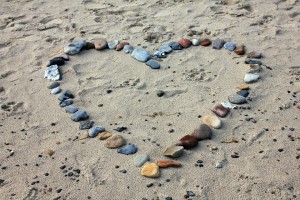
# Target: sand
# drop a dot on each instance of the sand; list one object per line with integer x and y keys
{"x": 194, "y": 80}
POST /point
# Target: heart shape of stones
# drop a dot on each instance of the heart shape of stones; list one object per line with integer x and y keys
{"x": 203, "y": 132}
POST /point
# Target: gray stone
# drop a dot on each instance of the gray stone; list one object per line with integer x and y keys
{"x": 56, "y": 90}
{"x": 251, "y": 61}
{"x": 80, "y": 115}
{"x": 218, "y": 44}
{"x": 203, "y": 132}
{"x": 165, "y": 48}
{"x": 53, "y": 85}
{"x": 230, "y": 46}
{"x": 139, "y": 160}
{"x": 174, "y": 151}
{"x": 141, "y": 54}
{"x": 113, "y": 44}
{"x": 236, "y": 99}
{"x": 127, "y": 150}
{"x": 153, "y": 64}
{"x": 65, "y": 103}
{"x": 86, "y": 124}
{"x": 128, "y": 49}
{"x": 71, "y": 109}
{"x": 175, "y": 45}
{"x": 65, "y": 95}
{"x": 74, "y": 47}
{"x": 160, "y": 54}
{"x": 93, "y": 132}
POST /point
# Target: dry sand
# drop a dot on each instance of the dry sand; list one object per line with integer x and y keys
{"x": 194, "y": 79}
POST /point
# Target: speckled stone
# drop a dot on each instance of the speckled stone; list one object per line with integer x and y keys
{"x": 86, "y": 124}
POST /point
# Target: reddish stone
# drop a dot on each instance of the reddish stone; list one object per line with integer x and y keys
{"x": 240, "y": 50}
{"x": 188, "y": 142}
{"x": 121, "y": 45}
{"x": 205, "y": 42}
{"x": 168, "y": 163}
{"x": 220, "y": 110}
{"x": 100, "y": 44}
{"x": 185, "y": 43}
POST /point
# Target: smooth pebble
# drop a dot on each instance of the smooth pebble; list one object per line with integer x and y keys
{"x": 65, "y": 103}
{"x": 251, "y": 78}
{"x": 56, "y": 61}
{"x": 230, "y": 46}
{"x": 93, "y": 132}
{"x": 128, "y": 149}
{"x": 195, "y": 42}
{"x": 174, "y": 151}
{"x": 56, "y": 90}
{"x": 141, "y": 159}
{"x": 74, "y": 47}
{"x": 220, "y": 110}
{"x": 141, "y": 54}
{"x": 150, "y": 170}
{"x": 53, "y": 85}
{"x": 218, "y": 44}
{"x": 212, "y": 121}
{"x": 153, "y": 64}
{"x": 113, "y": 44}
{"x": 203, "y": 132}
{"x": 80, "y": 115}
{"x": 188, "y": 142}
{"x": 71, "y": 109}
{"x": 115, "y": 142}
{"x": 236, "y": 99}
{"x": 175, "y": 45}
{"x": 128, "y": 49}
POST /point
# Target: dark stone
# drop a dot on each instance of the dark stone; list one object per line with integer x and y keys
{"x": 188, "y": 142}
{"x": 65, "y": 103}
{"x": 120, "y": 129}
{"x": 243, "y": 93}
{"x": 153, "y": 64}
{"x": 86, "y": 124}
{"x": 80, "y": 115}
{"x": 175, "y": 45}
{"x": 251, "y": 61}
{"x": 160, "y": 93}
{"x": 65, "y": 95}
{"x": 56, "y": 61}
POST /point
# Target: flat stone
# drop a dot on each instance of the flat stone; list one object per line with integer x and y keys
{"x": 104, "y": 135}
{"x": 52, "y": 73}
{"x": 251, "y": 78}
{"x": 80, "y": 115}
{"x": 174, "y": 151}
{"x": 55, "y": 90}
{"x": 165, "y": 48}
{"x": 86, "y": 124}
{"x": 230, "y": 46}
{"x": 254, "y": 54}
{"x": 227, "y": 104}
{"x": 65, "y": 103}
{"x": 56, "y": 61}
{"x": 53, "y": 85}
{"x": 71, "y": 109}
{"x": 243, "y": 93}
{"x": 128, "y": 49}
{"x": 240, "y": 50}
{"x": 203, "y": 132}
{"x": 153, "y": 64}
{"x": 121, "y": 45}
{"x": 188, "y": 142}
{"x": 218, "y": 44}
{"x": 212, "y": 121}
{"x": 236, "y": 99}
{"x": 113, "y": 44}
{"x": 251, "y": 61}
{"x": 150, "y": 170}
{"x": 195, "y": 42}
{"x": 220, "y": 110}
{"x": 115, "y": 142}
{"x": 206, "y": 42}
{"x": 74, "y": 47}
{"x": 168, "y": 163}
{"x": 141, "y": 159}
{"x": 141, "y": 54}
{"x": 185, "y": 43}
{"x": 65, "y": 95}
{"x": 175, "y": 45}
{"x": 93, "y": 132}
{"x": 100, "y": 44}
{"x": 128, "y": 149}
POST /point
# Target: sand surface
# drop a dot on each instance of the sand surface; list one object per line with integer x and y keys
{"x": 194, "y": 79}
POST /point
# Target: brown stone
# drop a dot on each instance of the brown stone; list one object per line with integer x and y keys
{"x": 203, "y": 132}
{"x": 104, "y": 135}
{"x": 115, "y": 142}
{"x": 243, "y": 87}
{"x": 188, "y": 142}
{"x": 49, "y": 152}
{"x": 121, "y": 45}
{"x": 89, "y": 46}
{"x": 100, "y": 44}
{"x": 240, "y": 50}
{"x": 254, "y": 54}
{"x": 185, "y": 43}
{"x": 168, "y": 163}
{"x": 220, "y": 110}
{"x": 205, "y": 42}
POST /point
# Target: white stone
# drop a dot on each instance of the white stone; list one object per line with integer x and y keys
{"x": 52, "y": 73}
{"x": 251, "y": 78}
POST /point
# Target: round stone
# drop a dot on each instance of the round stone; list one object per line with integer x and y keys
{"x": 185, "y": 43}
{"x": 212, "y": 121}
{"x": 100, "y": 44}
{"x": 128, "y": 49}
{"x": 141, "y": 54}
{"x": 195, "y": 42}
{"x": 243, "y": 93}
{"x": 251, "y": 78}
{"x": 240, "y": 50}
{"x": 203, "y": 132}
{"x": 205, "y": 42}
{"x": 236, "y": 99}
{"x": 230, "y": 46}
{"x": 114, "y": 142}
{"x": 139, "y": 160}
{"x": 150, "y": 170}
{"x": 218, "y": 44}
{"x": 153, "y": 64}
{"x": 219, "y": 165}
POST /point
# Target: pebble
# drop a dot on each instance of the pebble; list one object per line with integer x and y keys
{"x": 255, "y": 68}
{"x": 120, "y": 129}
{"x": 89, "y": 46}
{"x": 128, "y": 49}
{"x": 218, "y": 44}
{"x": 93, "y": 132}
{"x": 104, "y": 135}
{"x": 243, "y": 87}
{"x": 243, "y": 93}
{"x": 212, "y": 121}
{"x": 240, "y": 50}
{"x": 65, "y": 95}
{"x": 168, "y": 198}
{"x": 127, "y": 150}
{"x": 236, "y": 99}
{"x": 251, "y": 61}
{"x": 195, "y": 42}
{"x": 113, "y": 44}
{"x": 121, "y": 45}
{"x": 56, "y": 61}
{"x": 65, "y": 103}
{"x": 53, "y": 85}
{"x": 251, "y": 78}
{"x": 174, "y": 151}
{"x": 80, "y": 115}
{"x": 175, "y": 45}
{"x": 219, "y": 165}
{"x": 185, "y": 43}
{"x": 230, "y": 46}
{"x": 141, "y": 159}
{"x": 254, "y": 54}
{"x": 220, "y": 110}
{"x": 75, "y": 47}
{"x": 227, "y": 104}
{"x": 205, "y": 42}
{"x": 56, "y": 90}
{"x": 203, "y": 132}
{"x": 115, "y": 142}
{"x": 165, "y": 48}
{"x": 190, "y": 193}
{"x": 160, "y": 93}
{"x": 160, "y": 54}
{"x": 52, "y": 73}
{"x": 150, "y": 170}
{"x": 86, "y": 124}
{"x": 49, "y": 152}
{"x": 71, "y": 109}
{"x": 188, "y": 142}
{"x": 153, "y": 64}
{"x": 168, "y": 163}
{"x": 141, "y": 54}
{"x": 100, "y": 44}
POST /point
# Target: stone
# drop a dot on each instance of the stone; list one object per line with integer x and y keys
{"x": 53, "y": 85}
{"x": 230, "y": 46}
{"x": 74, "y": 47}
{"x": 168, "y": 163}
{"x": 65, "y": 103}
{"x": 89, "y": 46}
{"x": 251, "y": 61}
{"x": 254, "y": 54}
{"x": 113, "y": 44}
{"x": 220, "y": 110}
{"x": 195, "y": 42}
{"x": 255, "y": 68}
{"x": 160, "y": 93}
{"x": 86, "y": 124}
{"x": 243, "y": 93}
{"x": 141, "y": 159}
{"x": 141, "y": 54}
{"x": 80, "y": 115}
{"x": 150, "y": 170}
{"x": 153, "y": 64}
{"x": 240, "y": 50}
{"x": 56, "y": 61}
{"x": 227, "y": 104}
{"x": 104, "y": 135}
{"x": 218, "y": 44}
{"x": 237, "y": 99}
{"x": 160, "y": 54}
{"x": 243, "y": 87}
{"x": 188, "y": 142}
{"x": 205, "y": 42}
{"x": 93, "y": 132}
{"x": 185, "y": 43}
{"x": 100, "y": 44}
{"x": 165, "y": 48}
{"x": 175, "y": 45}
{"x": 174, "y": 151}
{"x": 115, "y": 142}
{"x": 49, "y": 152}
{"x": 219, "y": 165}
{"x": 127, "y": 150}
{"x": 65, "y": 95}
{"x": 55, "y": 90}
{"x": 203, "y": 132}
{"x": 128, "y": 49}
{"x": 251, "y": 78}
{"x": 121, "y": 45}
{"x": 52, "y": 73}
{"x": 212, "y": 121}
{"x": 71, "y": 109}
